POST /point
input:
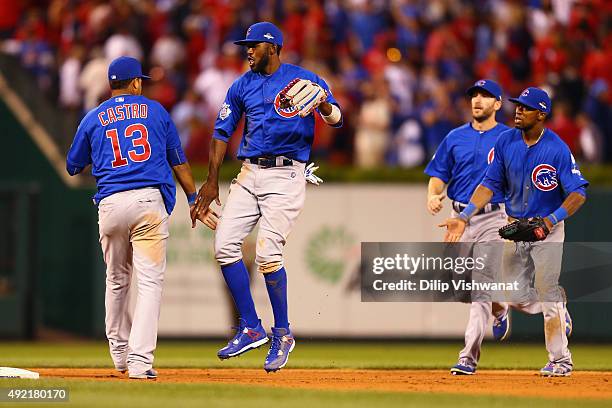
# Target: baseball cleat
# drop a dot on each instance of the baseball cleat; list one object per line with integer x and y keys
{"x": 556, "y": 370}
{"x": 246, "y": 339}
{"x": 283, "y": 343}
{"x": 150, "y": 374}
{"x": 569, "y": 325}
{"x": 462, "y": 368}
{"x": 501, "y": 327}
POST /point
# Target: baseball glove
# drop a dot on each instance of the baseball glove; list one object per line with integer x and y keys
{"x": 303, "y": 95}
{"x": 528, "y": 230}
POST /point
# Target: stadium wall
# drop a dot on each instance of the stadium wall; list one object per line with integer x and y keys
{"x": 321, "y": 256}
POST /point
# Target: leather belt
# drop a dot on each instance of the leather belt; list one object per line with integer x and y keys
{"x": 271, "y": 161}
{"x": 458, "y": 207}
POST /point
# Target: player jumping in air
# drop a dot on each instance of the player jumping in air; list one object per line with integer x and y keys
{"x": 279, "y": 102}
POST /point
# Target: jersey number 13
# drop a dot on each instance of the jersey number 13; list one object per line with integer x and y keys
{"x": 134, "y": 155}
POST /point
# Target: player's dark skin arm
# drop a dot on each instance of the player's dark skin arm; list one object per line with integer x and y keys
{"x": 572, "y": 203}
{"x": 325, "y": 108}
{"x": 456, "y": 226}
{"x": 209, "y": 191}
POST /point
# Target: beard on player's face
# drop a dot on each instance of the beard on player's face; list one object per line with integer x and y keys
{"x": 259, "y": 58}
{"x": 482, "y": 109}
{"x": 483, "y": 114}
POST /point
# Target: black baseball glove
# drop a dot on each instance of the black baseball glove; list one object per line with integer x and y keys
{"x": 528, "y": 230}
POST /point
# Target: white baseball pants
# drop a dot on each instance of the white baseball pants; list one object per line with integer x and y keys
{"x": 482, "y": 231}
{"x": 133, "y": 234}
{"x": 273, "y": 196}
{"x": 540, "y": 263}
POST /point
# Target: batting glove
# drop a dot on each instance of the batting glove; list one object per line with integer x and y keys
{"x": 310, "y": 176}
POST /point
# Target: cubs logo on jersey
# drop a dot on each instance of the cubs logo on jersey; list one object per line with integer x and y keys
{"x": 544, "y": 177}
{"x": 491, "y": 155}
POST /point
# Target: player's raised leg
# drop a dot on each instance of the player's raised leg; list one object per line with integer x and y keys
{"x": 149, "y": 235}
{"x": 114, "y": 239}
{"x": 239, "y": 216}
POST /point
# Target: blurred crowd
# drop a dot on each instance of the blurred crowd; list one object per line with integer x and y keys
{"x": 399, "y": 68}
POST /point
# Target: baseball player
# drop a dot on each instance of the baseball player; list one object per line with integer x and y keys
{"x": 279, "y": 102}
{"x": 536, "y": 172}
{"x": 460, "y": 162}
{"x": 132, "y": 144}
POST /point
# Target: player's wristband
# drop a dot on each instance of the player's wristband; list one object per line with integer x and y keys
{"x": 191, "y": 198}
{"x": 334, "y": 117}
{"x": 559, "y": 215}
{"x": 468, "y": 212}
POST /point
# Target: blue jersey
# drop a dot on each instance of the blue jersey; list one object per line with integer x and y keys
{"x": 130, "y": 142}
{"x": 462, "y": 160}
{"x": 535, "y": 179}
{"x": 268, "y": 130}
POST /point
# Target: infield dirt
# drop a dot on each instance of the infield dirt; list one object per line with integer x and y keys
{"x": 582, "y": 384}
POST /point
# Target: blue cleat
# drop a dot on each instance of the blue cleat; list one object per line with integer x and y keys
{"x": 556, "y": 370}
{"x": 283, "y": 343}
{"x": 150, "y": 374}
{"x": 462, "y": 368}
{"x": 246, "y": 339}
{"x": 501, "y": 327}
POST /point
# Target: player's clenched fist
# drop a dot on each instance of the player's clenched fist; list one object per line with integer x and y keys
{"x": 434, "y": 203}
{"x": 454, "y": 229}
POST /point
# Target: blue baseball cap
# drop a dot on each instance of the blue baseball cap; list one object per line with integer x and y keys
{"x": 262, "y": 32}
{"x": 534, "y": 98}
{"x": 487, "y": 85}
{"x": 123, "y": 68}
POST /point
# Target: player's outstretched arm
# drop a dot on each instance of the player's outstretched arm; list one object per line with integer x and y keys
{"x": 481, "y": 197}
{"x": 456, "y": 226}
{"x": 435, "y": 190}
{"x": 209, "y": 191}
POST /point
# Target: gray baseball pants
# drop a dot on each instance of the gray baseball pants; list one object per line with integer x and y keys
{"x": 482, "y": 231}
{"x": 273, "y": 196}
{"x": 133, "y": 234}
{"x": 537, "y": 266}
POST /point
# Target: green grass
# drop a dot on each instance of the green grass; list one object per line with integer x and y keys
{"x": 382, "y": 355}
{"x": 102, "y": 394}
